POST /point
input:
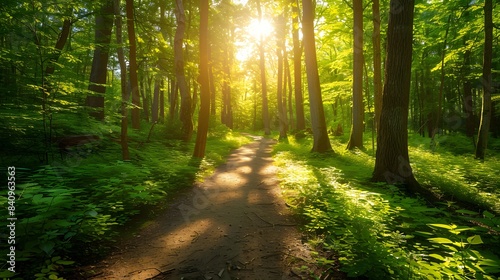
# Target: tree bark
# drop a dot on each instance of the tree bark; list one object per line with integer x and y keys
{"x": 204, "y": 115}
{"x": 321, "y": 142}
{"x": 468, "y": 105}
{"x": 227, "y": 110}
{"x": 99, "y": 70}
{"x": 441, "y": 86}
{"x": 297, "y": 65}
{"x": 185, "y": 109}
{"x": 162, "y": 103}
{"x": 156, "y": 97}
{"x": 262, "y": 64}
{"x": 280, "y": 30}
{"x": 123, "y": 82}
{"x": 173, "y": 100}
{"x": 392, "y": 164}
{"x": 484, "y": 127}
{"x": 288, "y": 76}
{"x": 358, "y": 109}
{"x": 134, "y": 82}
{"x": 377, "y": 62}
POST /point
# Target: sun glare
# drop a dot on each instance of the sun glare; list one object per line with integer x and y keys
{"x": 258, "y": 28}
{"x": 254, "y": 30}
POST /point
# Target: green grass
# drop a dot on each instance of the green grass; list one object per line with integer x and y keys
{"x": 375, "y": 230}
{"x": 77, "y": 207}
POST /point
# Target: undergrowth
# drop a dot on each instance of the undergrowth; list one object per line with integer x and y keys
{"x": 72, "y": 210}
{"x": 375, "y": 230}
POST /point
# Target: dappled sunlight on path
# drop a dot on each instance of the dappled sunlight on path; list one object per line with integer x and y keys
{"x": 234, "y": 225}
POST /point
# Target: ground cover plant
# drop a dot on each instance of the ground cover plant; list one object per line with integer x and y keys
{"x": 378, "y": 231}
{"x": 73, "y": 210}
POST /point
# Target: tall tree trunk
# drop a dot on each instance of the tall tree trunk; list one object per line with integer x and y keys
{"x": 98, "y": 73}
{"x": 213, "y": 111}
{"x": 61, "y": 42}
{"x": 288, "y": 75}
{"x": 280, "y": 92}
{"x": 484, "y": 127}
{"x": 194, "y": 98}
{"x": 377, "y": 62}
{"x": 185, "y": 109}
{"x": 46, "y": 86}
{"x": 467, "y": 99}
{"x": 392, "y": 164}
{"x": 204, "y": 115}
{"x": 123, "y": 82}
{"x": 297, "y": 65}
{"x": 134, "y": 82}
{"x": 156, "y": 97}
{"x": 227, "y": 110}
{"x": 321, "y": 142}
{"x": 358, "y": 109}
{"x": 173, "y": 98}
{"x": 162, "y": 102}
{"x": 144, "y": 90}
{"x": 265, "y": 109}
{"x": 437, "y": 124}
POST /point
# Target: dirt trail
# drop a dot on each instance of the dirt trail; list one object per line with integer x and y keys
{"x": 234, "y": 225}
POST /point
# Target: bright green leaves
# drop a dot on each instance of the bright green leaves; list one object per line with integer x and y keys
{"x": 378, "y": 231}
{"x": 475, "y": 240}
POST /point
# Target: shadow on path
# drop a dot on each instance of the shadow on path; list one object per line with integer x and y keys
{"x": 234, "y": 225}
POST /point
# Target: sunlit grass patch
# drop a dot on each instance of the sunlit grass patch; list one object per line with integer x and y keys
{"x": 458, "y": 176}
{"x": 375, "y": 230}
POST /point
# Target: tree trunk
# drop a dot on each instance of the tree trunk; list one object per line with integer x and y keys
{"x": 204, "y": 115}
{"x": 358, "y": 109}
{"x": 61, "y": 41}
{"x": 144, "y": 90}
{"x": 99, "y": 70}
{"x": 123, "y": 81}
{"x": 321, "y": 142}
{"x": 468, "y": 104}
{"x": 265, "y": 109}
{"x": 213, "y": 111}
{"x": 162, "y": 102}
{"x": 392, "y": 164}
{"x": 227, "y": 111}
{"x": 156, "y": 97}
{"x": 377, "y": 62}
{"x": 185, "y": 109}
{"x": 134, "y": 82}
{"x": 297, "y": 71}
{"x": 484, "y": 127}
{"x": 280, "y": 30}
{"x": 437, "y": 124}
{"x": 173, "y": 98}
{"x": 288, "y": 76}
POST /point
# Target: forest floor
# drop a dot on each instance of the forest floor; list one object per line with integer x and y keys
{"x": 233, "y": 225}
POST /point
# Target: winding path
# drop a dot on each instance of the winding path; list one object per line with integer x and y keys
{"x": 234, "y": 225}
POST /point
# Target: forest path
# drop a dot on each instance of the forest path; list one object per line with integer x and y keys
{"x": 234, "y": 225}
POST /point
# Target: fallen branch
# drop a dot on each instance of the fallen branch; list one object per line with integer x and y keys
{"x": 274, "y": 225}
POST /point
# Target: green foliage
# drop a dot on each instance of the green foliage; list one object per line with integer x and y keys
{"x": 452, "y": 172}
{"x": 74, "y": 208}
{"x": 375, "y": 230}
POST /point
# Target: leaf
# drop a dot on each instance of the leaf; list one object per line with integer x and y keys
{"x": 476, "y": 239}
{"x": 488, "y": 215}
{"x": 440, "y": 240}
{"x": 91, "y": 213}
{"x": 468, "y": 212}
{"x": 436, "y": 256}
{"x": 442, "y": 226}
{"x": 63, "y": 262}
{"x": 47, "y": 247}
